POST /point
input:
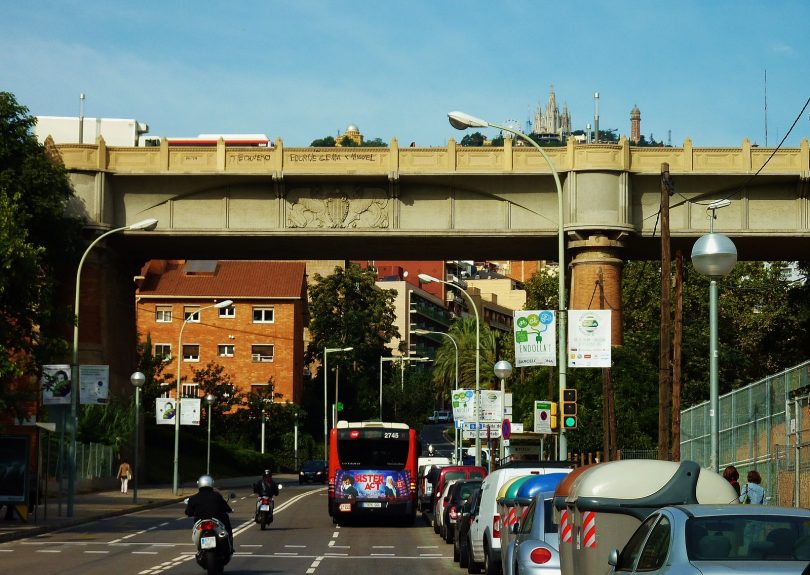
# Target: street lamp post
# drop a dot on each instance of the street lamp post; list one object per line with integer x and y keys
{"x": 295, "y": 440}
{"x": 455, "y": 347}
{"x": 714, "y": 255}
{"x": 137, "y": 379}
{"x": 326, "y": 352}
{"x": 462, "y": 121}
{"x": 503, "y": 370}
{"x": 430, "y": 279}
{"x": 144, "y": 225}
{"x": 177, "y": 402}
{"x": 209, "y": 400}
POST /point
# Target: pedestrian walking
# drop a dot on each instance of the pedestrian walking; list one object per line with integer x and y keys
{"x": 732, "y": 476}
{"x": 753, "y": 492}
{"x": 124, "y": 474}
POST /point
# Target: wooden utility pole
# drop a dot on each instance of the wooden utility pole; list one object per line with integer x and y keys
{"x": 664, "y": 389}
{"x": 608, "y": 405}
{"x": 676, "y": 358}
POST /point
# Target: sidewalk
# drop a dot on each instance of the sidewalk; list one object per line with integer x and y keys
{"x": 89, "y": 507}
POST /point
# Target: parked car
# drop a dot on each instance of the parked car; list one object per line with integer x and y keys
{"x": 534, "y": 548}
{"x": 461, "y": 540}
{"x": 485, "y": 530}
{"x": 313, "y": 472}
{"x": 441, "y": 505}
{"x": 440, "y": 416}
{"x": 451, "y": 473}
{"x": 718, "y": 539}
{"x": 456, "y": 496}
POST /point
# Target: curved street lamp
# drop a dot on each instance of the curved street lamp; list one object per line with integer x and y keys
{"x": 714, "y": 255}
{"x": 137, "y": 379}
{"x": 455, "y": 346}
{"x": 219, "y": 305}
{"x": 144, "y": 225}
{"x": 462, "y": 121}
{"x": 425, "y": 278}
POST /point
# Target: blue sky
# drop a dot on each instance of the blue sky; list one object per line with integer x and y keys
{"x": 301, "y": 69}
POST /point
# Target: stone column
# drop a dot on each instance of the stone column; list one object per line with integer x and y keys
{"x": 597, "y": 257}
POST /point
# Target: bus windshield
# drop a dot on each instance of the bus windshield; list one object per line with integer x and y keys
{"x": 372, "y": 453}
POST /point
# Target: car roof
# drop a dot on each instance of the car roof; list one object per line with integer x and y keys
{"x": 735, "y": 509}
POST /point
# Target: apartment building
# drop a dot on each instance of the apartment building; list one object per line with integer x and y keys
{"x": 257, "y": 338}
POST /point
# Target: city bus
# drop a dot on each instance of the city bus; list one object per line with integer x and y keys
{"x": 372, "y": 470}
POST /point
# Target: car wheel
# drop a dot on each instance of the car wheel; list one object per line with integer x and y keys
{"x": 463, "y": 556}
{"x": 435, "y": 525}
{"x": 456, "y": 553}
{"x": 490, "y": 566}
{"x": 472, "y": 566}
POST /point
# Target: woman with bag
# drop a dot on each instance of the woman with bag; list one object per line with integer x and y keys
{"x": 124, "y": 474}
{"x": 753, "y": 492}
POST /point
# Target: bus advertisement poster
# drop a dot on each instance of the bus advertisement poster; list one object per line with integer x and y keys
{"x": 368, "y": 484}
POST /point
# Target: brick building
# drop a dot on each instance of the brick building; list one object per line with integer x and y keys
{"x": 258, "y": 337}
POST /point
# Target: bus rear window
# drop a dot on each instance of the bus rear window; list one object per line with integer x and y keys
{"x": 364, "y": 453}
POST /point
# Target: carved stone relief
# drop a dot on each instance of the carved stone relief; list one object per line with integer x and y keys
{"x": 338, "y": 208}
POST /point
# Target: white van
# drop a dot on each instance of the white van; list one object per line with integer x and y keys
{"x": 485, "y": 535}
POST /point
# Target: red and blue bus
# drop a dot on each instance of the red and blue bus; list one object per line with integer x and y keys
{"x": 372, "y": 470}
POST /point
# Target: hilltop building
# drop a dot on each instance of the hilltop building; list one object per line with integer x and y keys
{"x": 552, "y": 122}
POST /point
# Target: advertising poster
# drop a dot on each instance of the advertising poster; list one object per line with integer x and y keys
{"x": 94, "y": 384}
{"x": 491, "y": 405}
{"x": 165, "y": 410}
{"x": 55, "y": 384}
{"x": 589, "y": 338}
{"x": 368, "y": 484}
{"x": 14, "y": 453}
{"x": 463, "y": 404}
{"x": 535, "y": 338}
{"x": 190, "y": 411}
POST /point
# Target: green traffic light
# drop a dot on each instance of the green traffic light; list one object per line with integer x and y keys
{"x": 569, "y": 421}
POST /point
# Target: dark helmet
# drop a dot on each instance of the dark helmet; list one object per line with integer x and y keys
{"x": 267, "y": 473}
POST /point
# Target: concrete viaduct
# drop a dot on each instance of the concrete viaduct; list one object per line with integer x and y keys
{"x": 453, "y": 202}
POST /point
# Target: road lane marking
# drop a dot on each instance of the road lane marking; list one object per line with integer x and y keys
{"x": 249, "y": 545}
{"x": 383, "y": 554}
{"x": 382, "y": 546}
{"x": 296, "y": 546}
{"x": 335, "y": 534}
{"x": 48, "y": 551}
{"x": 427, "y": 547}
{"x": 144, "y": 552}
{"x": 97, "y": 552}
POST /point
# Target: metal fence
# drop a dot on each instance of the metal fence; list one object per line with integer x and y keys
{"x": 92, "y": 459}
{"x": 761, "y": 427}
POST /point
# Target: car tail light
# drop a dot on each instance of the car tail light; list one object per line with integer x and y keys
{"x": 207, "y": 526}
{"x": 540, "y": 555}
{"x": 445, "y": 502}
{"x": 452, "y": 513}
{"x": 496, "y": 526}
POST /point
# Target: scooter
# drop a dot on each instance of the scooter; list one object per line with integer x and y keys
{"x": 264, "y": 510}
{"x": 214, "y": 549}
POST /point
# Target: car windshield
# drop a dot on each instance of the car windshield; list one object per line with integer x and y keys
{"x": 313, "y": 466}
{"x": 748, "y": 538}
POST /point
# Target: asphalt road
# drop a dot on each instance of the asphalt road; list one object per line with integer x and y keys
{"x": 302, "y": 539}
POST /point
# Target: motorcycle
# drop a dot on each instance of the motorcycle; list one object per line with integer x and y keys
{"x": 264, "y": 510}
{"x": 214, "y": 549}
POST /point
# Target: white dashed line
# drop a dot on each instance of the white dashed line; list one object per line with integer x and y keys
{"x": 382, "y": 546}
{"x": 97, "y": 552}
{"x": 48, "y": 551}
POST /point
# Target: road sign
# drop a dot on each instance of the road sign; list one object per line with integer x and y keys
{"x": 506, "y": 429}
{"x": 340, "y": 406}
{"x": 542, "y": 417}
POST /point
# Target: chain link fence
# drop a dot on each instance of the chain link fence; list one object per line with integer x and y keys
{"x": 93, "y": 460}
{"x": 760, "y": 428}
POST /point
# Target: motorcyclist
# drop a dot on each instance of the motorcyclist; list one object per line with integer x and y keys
{"x": 207, "y": 503}
{"x": 265, "y": 487}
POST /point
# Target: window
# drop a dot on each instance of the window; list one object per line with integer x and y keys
{"x": 163, "y": 351}
{"x": 656, "y": 548}
{"x": 189, "y": 389}
{"x": 263, "y": 315}
{"x": 191, "y": 313}
{"x": 227, "y": 312}
{"x": 191, "y": 352}
{"x": 632, "y": 549}
{"x": 163, "y": 314}
{"x": 225, "y": 350}
{"x": 261, "y": 353}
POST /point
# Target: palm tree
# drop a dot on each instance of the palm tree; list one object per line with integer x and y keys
{"x": 462, "y": 330}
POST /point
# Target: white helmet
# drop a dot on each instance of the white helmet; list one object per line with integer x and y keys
{"x": 205, "y": 481}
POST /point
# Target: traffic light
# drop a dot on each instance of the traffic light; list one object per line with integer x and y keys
{"x": 553, "y": 415}
{"x": 569, "y": 408}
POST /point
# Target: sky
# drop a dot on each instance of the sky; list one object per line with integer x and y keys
{"x": 300, "y": 70}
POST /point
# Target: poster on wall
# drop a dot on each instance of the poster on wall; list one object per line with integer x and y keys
{"x": 463, "y": 404}
{"x": 165, "y": 410}
{"x": 589, "y": 338}
{"x": 94, "y": 384}
{"x": 190, "y": 411}
{"x": 535, "y": 338}
{"x": 14, "y": 453}
{"x": 55, "y": 384}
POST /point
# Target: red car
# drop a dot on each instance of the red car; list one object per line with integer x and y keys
{"x": 450, "y": 473}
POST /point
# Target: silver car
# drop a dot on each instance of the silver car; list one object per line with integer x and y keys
{"x": 718, "y": 539}
{"x": 534, "y": 546}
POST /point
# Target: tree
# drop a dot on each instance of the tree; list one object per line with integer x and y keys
{"x": 474, "y": 139}
{"x": 349, "y": 310}
{"x": 34, "y": 193}
{"x": 374, "y": 143}
{"x": 327, "y": 142}
{"x": 347, "y": 142}
{"x": 463, "y": 330}
{"x": 152, "y": 367}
